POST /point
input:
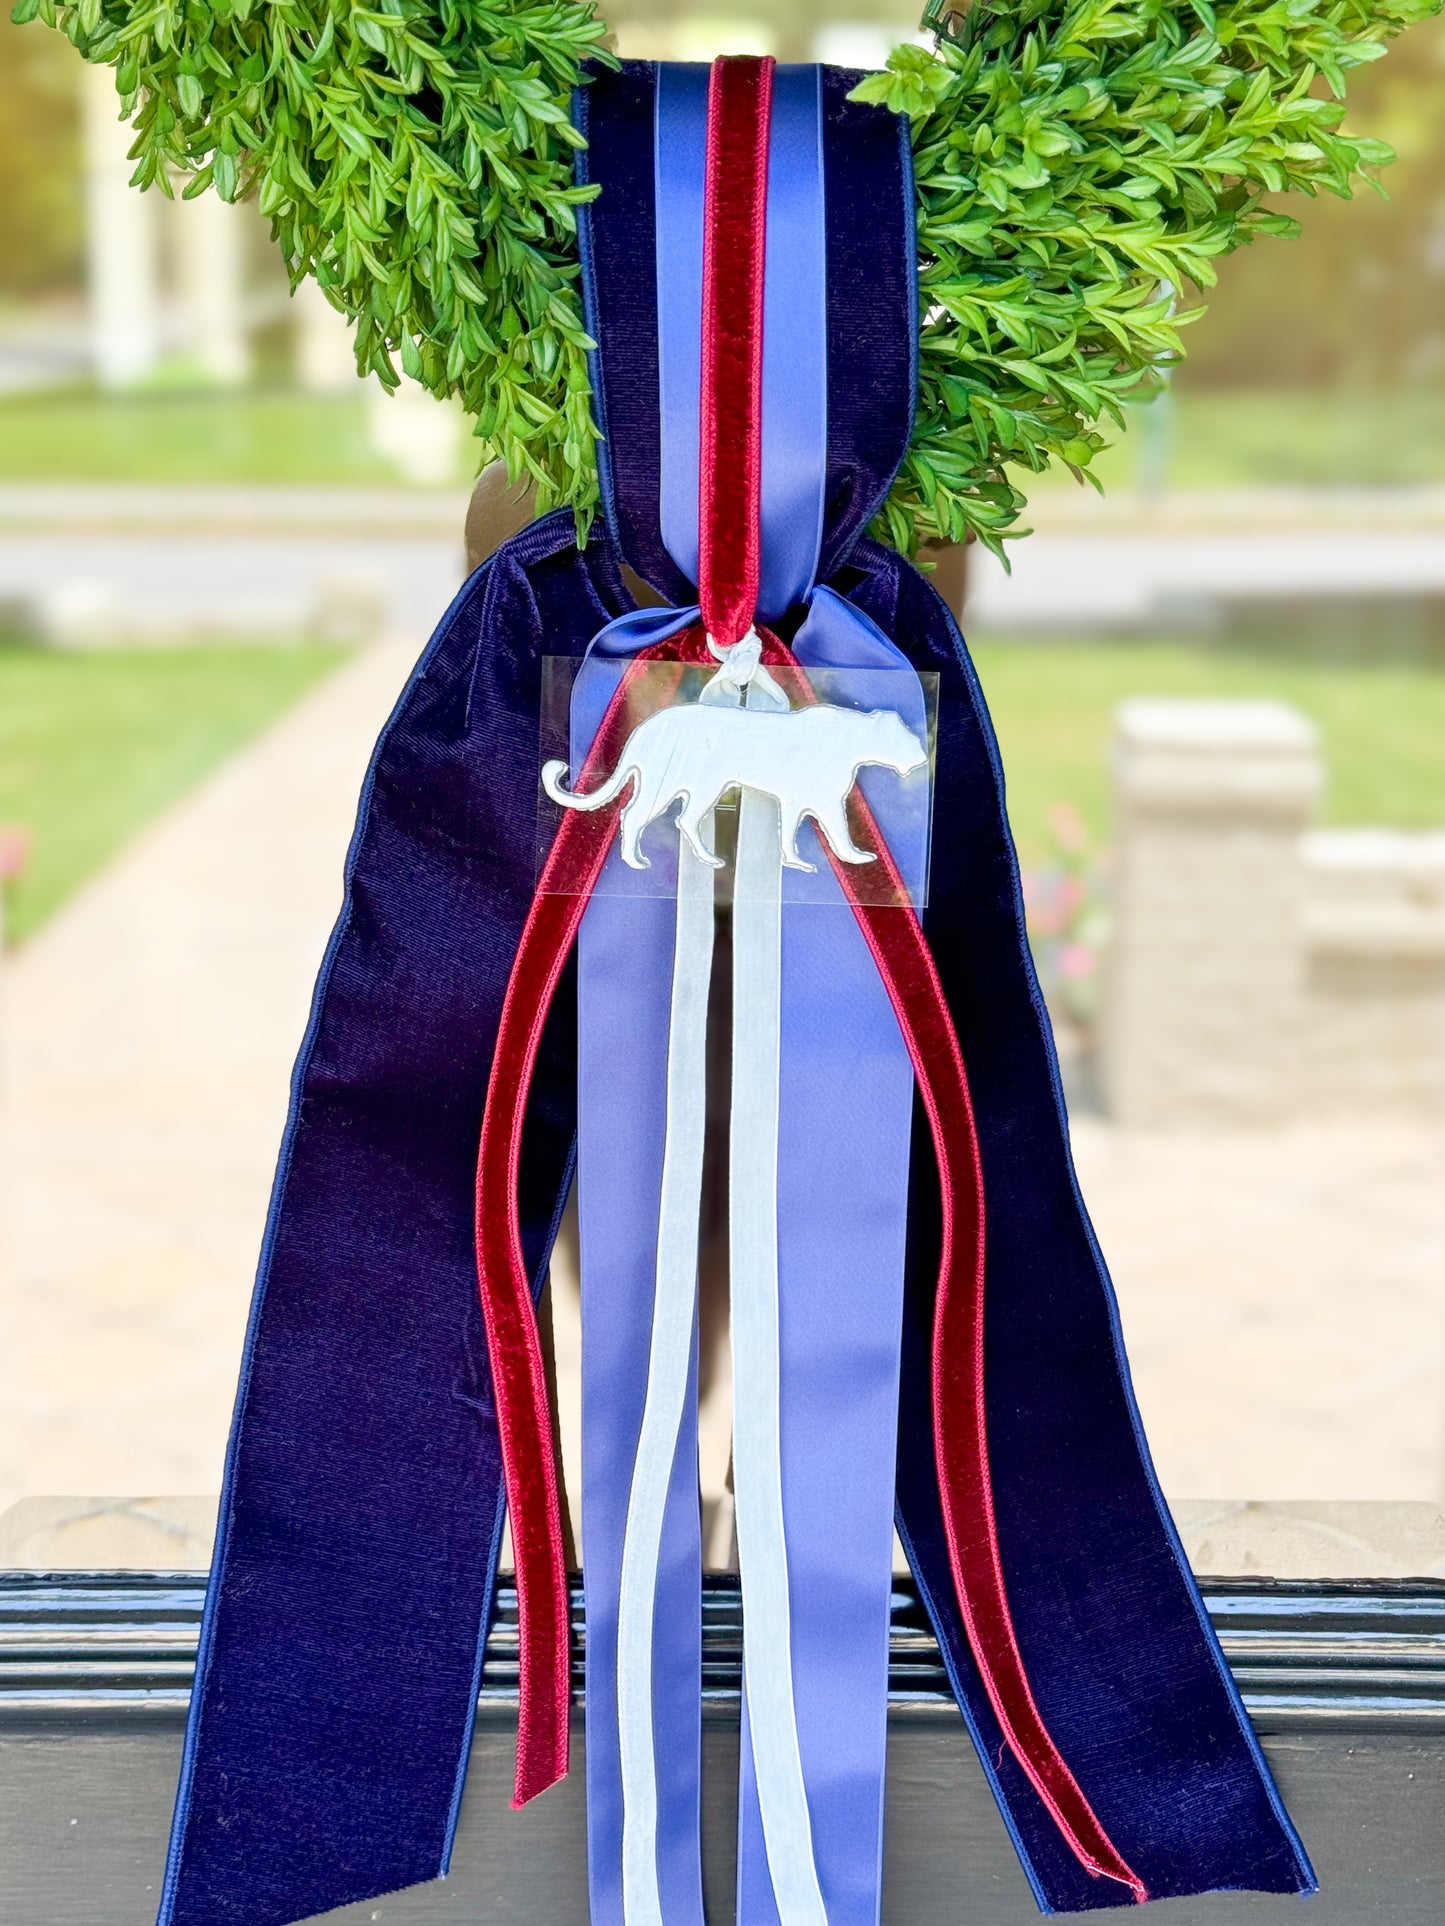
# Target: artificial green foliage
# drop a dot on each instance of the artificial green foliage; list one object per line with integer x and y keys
{"x": 1080, "y": 167}
{"x": 415, "y": 155}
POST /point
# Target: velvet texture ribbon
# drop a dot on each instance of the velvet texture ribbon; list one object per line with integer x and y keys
{"x": 362, "y": 1506}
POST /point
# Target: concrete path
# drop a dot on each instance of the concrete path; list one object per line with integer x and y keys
{"x": 1283, "y": 1293}
{"x": 1143, "y": 581}
{"x": 1283, "y": 1298}
{"x": 95, "y": 563}
{"x": 148, "y": 1034}
{"x": 263, "y": 581}
{"x": 155, "y": 587}
{"x": 166, "y": 560}
{"x": 229, "y": 508}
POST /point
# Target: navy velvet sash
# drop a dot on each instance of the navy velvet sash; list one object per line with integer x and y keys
{"x": 1124, "y": 1664}
{"x": 361, "y": 1514}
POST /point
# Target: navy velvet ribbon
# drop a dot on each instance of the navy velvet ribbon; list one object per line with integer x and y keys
{"x": 1125, "y": 1666}
{"x": 361, "y": 1513}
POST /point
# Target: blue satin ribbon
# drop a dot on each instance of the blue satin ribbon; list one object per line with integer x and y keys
{"x": 625, "y": 955}
{"x": 846, "y": 1110}
{"x": 795, "y": 325}
{"x": 846, "y": 1097}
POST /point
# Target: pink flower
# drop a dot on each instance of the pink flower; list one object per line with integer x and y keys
{"x": 14, "y": 851}
{"x": 1075, "y": 962}
{"x": 1067, "y": 828}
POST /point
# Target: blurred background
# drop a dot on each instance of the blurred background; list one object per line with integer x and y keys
{"x": 1220, "y": 693}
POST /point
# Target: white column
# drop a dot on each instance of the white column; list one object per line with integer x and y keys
{"x": 1204, "y": 982}
{"x": 422, "y": 435}
{"x": 325, "y": 357}
{"x": 122, "y": 243}
{"x": 210, "y": 237}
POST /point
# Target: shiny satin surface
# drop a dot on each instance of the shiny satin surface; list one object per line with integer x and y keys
{"x": 870, "y": 304}
{"x": 795, "y": 365}
{"x": 1124, "y": 1665}
{"x": 625, "y": 961}
{"x": 843, "y": 1155}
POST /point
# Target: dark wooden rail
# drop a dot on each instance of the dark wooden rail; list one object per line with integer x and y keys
{"x": 1345, "y": 1684}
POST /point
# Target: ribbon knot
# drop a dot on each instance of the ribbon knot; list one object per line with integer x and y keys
{"x": 737, "y": 659}
{"x": 741, "y": 678}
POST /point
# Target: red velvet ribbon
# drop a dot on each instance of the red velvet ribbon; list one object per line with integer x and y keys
{"x": 519, "y": 1379}
{"x": 735, "y": 221}
{"x": 894, "y": 935}
{"x": 733, "y": 256}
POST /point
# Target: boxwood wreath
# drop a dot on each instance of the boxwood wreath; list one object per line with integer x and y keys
{"x": 1081, "y": 165}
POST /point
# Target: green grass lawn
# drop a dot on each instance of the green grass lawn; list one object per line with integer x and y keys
{"x": 1214, "y": 438}
{"x": 1382, "y": 727}
{"x": 93, "y": 746}
{"x": 1203, "y": 439}
{"x": 187, "y": 435}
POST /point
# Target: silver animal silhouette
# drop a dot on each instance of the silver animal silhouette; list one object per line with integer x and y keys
{"x": 807, "y": 759}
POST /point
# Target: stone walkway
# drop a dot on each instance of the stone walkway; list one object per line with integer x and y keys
{"x": 1283, "y": 1293}
{"x": 1131, "y": 582}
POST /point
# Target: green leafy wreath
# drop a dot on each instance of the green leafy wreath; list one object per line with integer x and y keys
{"x": 1080, "y": 166}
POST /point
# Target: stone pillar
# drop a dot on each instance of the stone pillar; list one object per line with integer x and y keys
{"x": 210, "y": 236}
{"x": 1204, "y": 978}
{"x": 1374, "y": 1014}
{"x": 122, "y": 243}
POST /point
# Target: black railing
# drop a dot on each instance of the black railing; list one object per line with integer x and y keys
{"x": 1304, "y": 1653}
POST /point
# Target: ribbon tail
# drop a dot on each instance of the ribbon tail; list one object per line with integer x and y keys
{"x": 668, "y": 1373}
{"x": 513, "y": 1343}
{"x": 772, "y": 1723}
{"x": 896, "y": 938}
{"x": 890, "y": 926}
